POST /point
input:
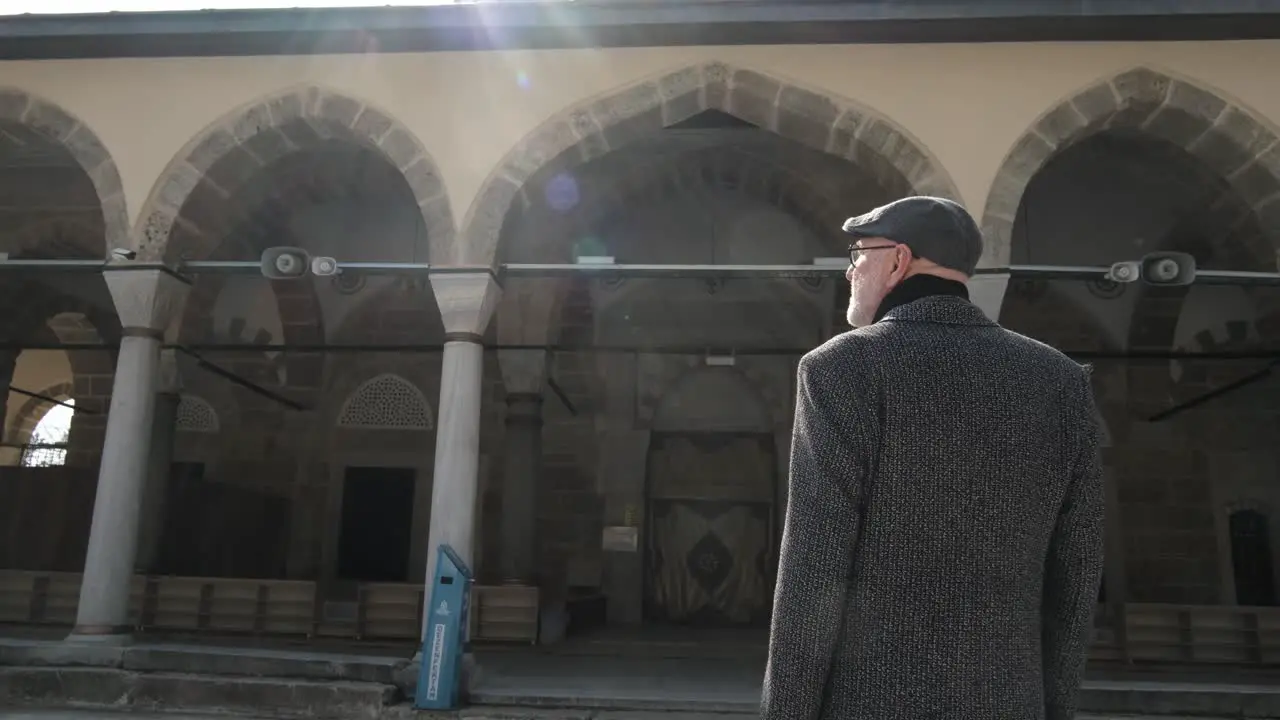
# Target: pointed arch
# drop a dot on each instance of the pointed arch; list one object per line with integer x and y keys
{"x": 386, "y": 402}
{"x": 51, "y": 122}
{"x": 195, "y": 414}
{"x": 1231, "y": 140}
{"x": 599, "y": 125}
{"x": 180, "y": 216}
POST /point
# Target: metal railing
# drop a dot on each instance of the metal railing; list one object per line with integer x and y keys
{"x": 609, "y": 270}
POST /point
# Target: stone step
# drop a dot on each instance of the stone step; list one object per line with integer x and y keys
{"x": 1108, "y": 700}
{"x": 127, "y": 690}
{"x": 397, "y": 714}
{"x": 206, "y": 659}
{"x": 87, "y": 688}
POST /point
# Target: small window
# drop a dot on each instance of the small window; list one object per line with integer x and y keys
{"x": 48, "y": 444}
{"x": 387, "y": 402}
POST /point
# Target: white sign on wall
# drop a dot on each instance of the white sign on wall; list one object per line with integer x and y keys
{"x": 620, "y": 539}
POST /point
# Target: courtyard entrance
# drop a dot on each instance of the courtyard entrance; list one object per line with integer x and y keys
{"x": 710, "y": 551}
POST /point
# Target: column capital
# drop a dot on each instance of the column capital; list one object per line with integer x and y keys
{"x": 466, "y": 301}
{"x": 145, "y": 299}
{"x": 523, "y": 371}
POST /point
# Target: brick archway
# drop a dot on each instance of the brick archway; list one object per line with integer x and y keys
{"x": 183, "y": 215}
{"x": 595, "y": 127}
{"x": 1227, "y": 138}
{"x": 49, "y": 122}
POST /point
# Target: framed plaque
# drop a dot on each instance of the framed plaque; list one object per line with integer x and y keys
{"x": 620, "y": 539}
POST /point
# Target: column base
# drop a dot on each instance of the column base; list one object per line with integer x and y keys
{"x": 101, "y": 635}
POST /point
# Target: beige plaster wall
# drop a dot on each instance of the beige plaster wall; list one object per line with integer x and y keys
{"x": 967, "y": 104}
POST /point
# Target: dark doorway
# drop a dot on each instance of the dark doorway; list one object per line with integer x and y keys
{"x": 377, "y": 524}
{"x": 1251, "y": 559}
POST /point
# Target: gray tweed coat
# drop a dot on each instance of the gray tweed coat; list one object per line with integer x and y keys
{"x": 944, "y": 529}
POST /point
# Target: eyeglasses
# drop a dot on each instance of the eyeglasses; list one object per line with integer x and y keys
{"x": 855, "y": 251}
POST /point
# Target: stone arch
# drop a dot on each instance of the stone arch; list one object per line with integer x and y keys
{"x": 598, "y": 125}
{"x": 195, "y": 414}
{"x": 51, "y": 122}
{"x": 205, "y": 171}
{"x": 1228, "y": 138}
{"x": 386, "y": 402}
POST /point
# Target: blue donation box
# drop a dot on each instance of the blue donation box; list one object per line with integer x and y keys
{"x": 440, "y": 677}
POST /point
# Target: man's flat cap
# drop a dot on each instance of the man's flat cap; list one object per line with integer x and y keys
{"x": 935, "y": 229}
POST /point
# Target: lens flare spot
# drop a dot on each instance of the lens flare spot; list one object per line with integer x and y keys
{"x": 562, "y": 193}
{"x": 522, "y": 79}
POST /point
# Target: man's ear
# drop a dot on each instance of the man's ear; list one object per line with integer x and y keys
{"x": 902, "y": 258}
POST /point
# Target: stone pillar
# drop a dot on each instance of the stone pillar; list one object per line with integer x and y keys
{"x": 466, "y": 304}
{"x": 146, "y": 300}
{"x": 523, "y": 372}
{"x": 987, "y": 292}
{"x": 163, "y": 432}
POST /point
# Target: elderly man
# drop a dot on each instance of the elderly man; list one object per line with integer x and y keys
{"x": 943, "y": 540}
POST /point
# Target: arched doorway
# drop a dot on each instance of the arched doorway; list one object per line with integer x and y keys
{"x": 1251, "y": 558}
{"x": 712, "y": 519}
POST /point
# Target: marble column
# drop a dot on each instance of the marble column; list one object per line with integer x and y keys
{"x": 466, "y": 304}
{"x": 524, "y": 372}
{"x": 163, "y": 432}
{"x": 146, "y": 300}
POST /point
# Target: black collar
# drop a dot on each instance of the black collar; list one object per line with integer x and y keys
{"x": 917, "y": 287}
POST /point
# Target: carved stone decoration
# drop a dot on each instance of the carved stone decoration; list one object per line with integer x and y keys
{"x": 386, "y": 402}
{"x": 195, "y": 414}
